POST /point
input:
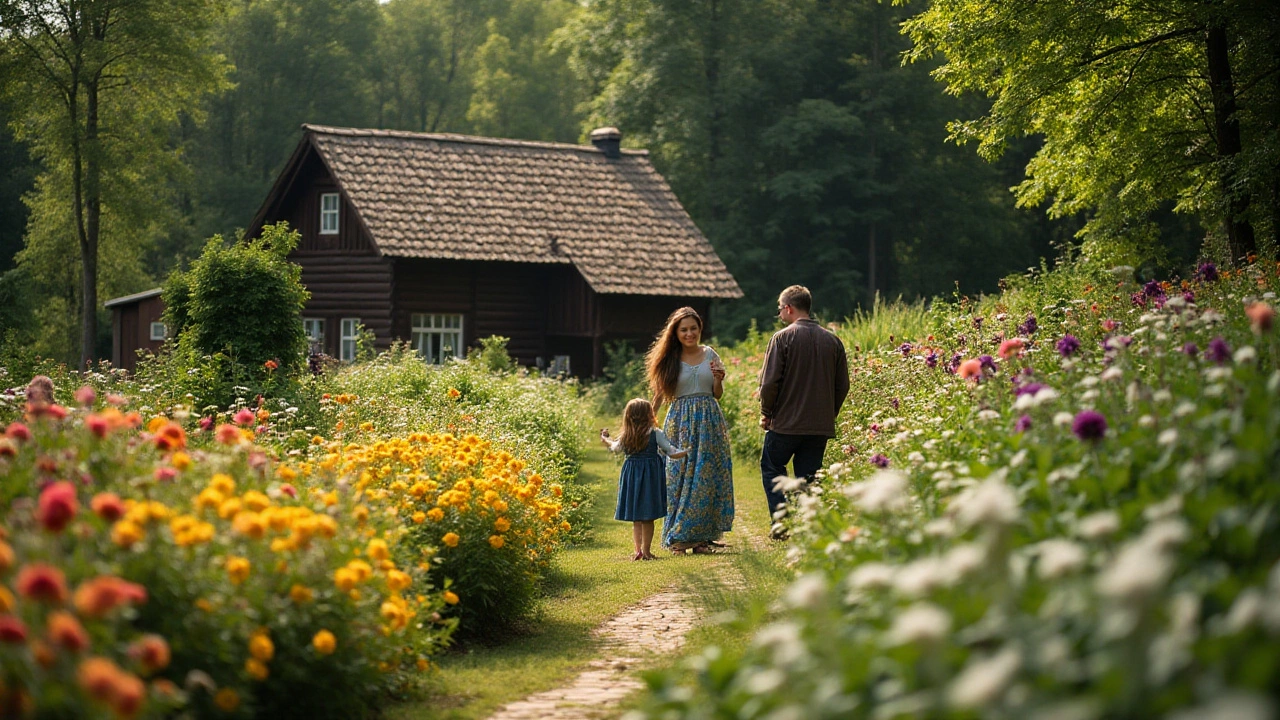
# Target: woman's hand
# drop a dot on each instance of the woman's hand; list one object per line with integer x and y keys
{"x": 717, "y": 370}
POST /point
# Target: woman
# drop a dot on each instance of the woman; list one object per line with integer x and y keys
{"x": 690, "y": 376}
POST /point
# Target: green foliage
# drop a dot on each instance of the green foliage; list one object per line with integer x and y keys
{"x": 245, "y": 300}
{"x": 1125, "y": 95}
{"x": 492, "y": 354}
{"x": 623, "y": 378}
{"x": 1007, "y": 565}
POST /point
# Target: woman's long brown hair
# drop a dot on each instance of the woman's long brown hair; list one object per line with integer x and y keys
{"x": 662, "y": 362}
{"x": 637, "y": 422}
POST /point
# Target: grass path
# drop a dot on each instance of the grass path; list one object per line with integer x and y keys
{"x": 595, "y": 581}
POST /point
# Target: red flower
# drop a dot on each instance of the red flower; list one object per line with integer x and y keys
{"x": 97, "y": 425}
{"x": 108, "y": 506}
{"x": 271, "y": 365}
{"x": 99, "y": 596}
{"x": 165, "y": 474}
{"x": 17, "y": 431}
{"x": 67, "y": 632}
{"x": 42, "y": 582}
{"x": 12, "y": 630}
{"x": 152, "y": 652}
{"x": 289, "y": 490}
{"x": 171, "y": 437}
{"x": 58, "y": 505}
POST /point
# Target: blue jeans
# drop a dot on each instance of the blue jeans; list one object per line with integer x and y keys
{"x": 803, "y": 451}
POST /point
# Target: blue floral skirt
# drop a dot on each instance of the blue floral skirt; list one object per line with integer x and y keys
{"x": 699, "y": 485}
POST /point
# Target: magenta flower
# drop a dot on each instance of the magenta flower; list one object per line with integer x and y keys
{"x": 1219, "y": 351}
{"x": 1191, "y": 349}
{"x": 1068, "y": 345}
{"x": 1207, "y": 272}
{"x": 1023, "y": 424}
{"x": 1089, "y": 425}
{"x": 905, "y": 349}
{"x": 880, "y": 460}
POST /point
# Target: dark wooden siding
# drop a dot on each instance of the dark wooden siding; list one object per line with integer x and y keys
{"x": 301, "y": 208}
{"x": 507, "y": 299}
{"x": 131, "y": 331}
{"x": 572, "y": 306}
{"x": 348, "y": 286}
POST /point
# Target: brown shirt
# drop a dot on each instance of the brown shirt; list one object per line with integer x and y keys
{"x": 804, "y": 381}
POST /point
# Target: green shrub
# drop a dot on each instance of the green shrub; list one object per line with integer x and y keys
{"x": 244, "y": 300}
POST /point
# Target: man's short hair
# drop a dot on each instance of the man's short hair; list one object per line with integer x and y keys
{"x": 798, "y": 297}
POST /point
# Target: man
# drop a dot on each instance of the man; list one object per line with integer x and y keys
{"x": 803, "y": 383}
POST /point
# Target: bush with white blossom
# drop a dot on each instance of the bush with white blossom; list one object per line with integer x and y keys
{"x": 1063, "y": 503}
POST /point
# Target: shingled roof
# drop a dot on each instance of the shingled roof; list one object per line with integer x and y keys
{"x": 472, "y": 198}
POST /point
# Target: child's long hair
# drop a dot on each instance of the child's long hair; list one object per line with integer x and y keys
{"x": 637, "y": 423}
{"x": 662, "y": 362}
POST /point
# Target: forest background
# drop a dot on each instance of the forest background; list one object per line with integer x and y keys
{"x": 792, "y": 131}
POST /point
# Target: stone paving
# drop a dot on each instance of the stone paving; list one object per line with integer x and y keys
{"x": 655, "y": 626}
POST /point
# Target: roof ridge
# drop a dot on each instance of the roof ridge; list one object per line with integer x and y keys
{"x": 456, "y": 138}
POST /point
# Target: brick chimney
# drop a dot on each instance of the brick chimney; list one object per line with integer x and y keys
{"x": 609, "y": 140}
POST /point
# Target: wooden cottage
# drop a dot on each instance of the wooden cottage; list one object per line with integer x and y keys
{"x": 135, "y": 325}
{"x": 441, "y": 240}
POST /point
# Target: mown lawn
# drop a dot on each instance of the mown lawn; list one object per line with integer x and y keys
{"x": 594, "y": 581}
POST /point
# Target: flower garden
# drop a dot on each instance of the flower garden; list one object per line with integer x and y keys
{"x": 302, "y": 555}
{"x": 1057, "y": 503}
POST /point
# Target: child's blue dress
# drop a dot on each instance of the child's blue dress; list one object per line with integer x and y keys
{"x": 642, "y": 486}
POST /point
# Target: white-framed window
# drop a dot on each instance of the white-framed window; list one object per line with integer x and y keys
{"x": 329, "y": 213}
{"x": 436, "y": 336}
{"x": 314, "y": 328}
{"x": 350, "y": 331}
{"x": 157, "y": 331}
{"x": 560, "y": 365}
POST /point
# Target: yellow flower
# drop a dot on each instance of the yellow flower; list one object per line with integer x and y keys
{"x": 361, "y": 514}
{"x": 565, "y": 526}
{"x": 180, "y": 460}
{"x": 227, "y": 700}
{"x": 451, "y": 597}
{"x": 557, "y": 490}
{"x": 345, "y": 579}
{"x": 419, "y": 517}
{"x": 454, "y": 394}
{"x": 156, "y": 423}
{"x": 255, "y": 501}
{"x": 229, "y": 508}
{"x": 6, "y": 600}
{"x": 377, "y": 549}
{"x": 222, "y": 483}
{"x": 423, "y": 664}
{"x": 249, "y": 524}
{"x": 300, "y": 594}
{"x": 361, "y": 569}
{"x": 324, "y": 642}
{"x": 256, "y": 669}
{"x": 209, "y": 498}
{"x": 496, "y": 541}
{"x": 502, "y": 524}
{"x": 261, "y": 647}
{"x": 451, "y": 539}
{"x": 435, "y": 514}
{"x": 398, "y": 580}
{"x": 125, "y": 533}
{"x": 500, "y": 506}
{"x": 286, "y": 473}
{"x": 204, "y": 605}
{"x": 237, "y": 569}
{"x": 330, "y": 498}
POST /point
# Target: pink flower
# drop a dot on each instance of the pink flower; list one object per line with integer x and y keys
{"x": 1011, "y": 348}
{"x": 86, "y": 395}
{"x": 969, "y": 369}
{"x": 1261, "y": 317}
{"x": 165, "y": 474}
{"x": 17, "y": 431}
{"x": 289, "y": 490}
{"x": 57, "y": 506}
{"x": 1109, "y": 324}
{"x": 244, "y": 417}
{"x": 228, "y": 434}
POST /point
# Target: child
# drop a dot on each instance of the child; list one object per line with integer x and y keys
{"x": 642, "y": 486}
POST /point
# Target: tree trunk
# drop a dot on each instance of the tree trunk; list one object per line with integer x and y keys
{"x": 1227, "y": 134}
{"x": 93, "y": 224}
{"x": 715, "y": 118}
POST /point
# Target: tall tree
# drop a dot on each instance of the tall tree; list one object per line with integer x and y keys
{"x": 1140, "y": 103}
{"x": 91, "y": 81}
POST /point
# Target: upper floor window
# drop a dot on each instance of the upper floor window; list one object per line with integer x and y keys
{"x": 437, "y": 337}
{"x": 329, "y": 213}
{"x": 350, "y": 334}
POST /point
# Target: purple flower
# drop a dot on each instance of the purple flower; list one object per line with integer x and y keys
{"x": 905, "y": 349}
{"x": 1089, "y": 425}
{"x": 1219, "y": 351}
{"x": 1191, "y": 349}
{"x": 977, "y": 323}
{"x": 894, "y": 403}
{"x": 1028, "y": 389}
{"x": 1189, "y": 296}
{"x": 1029, "y": 327}
{"x": 955, "y": 363}
{"x": 1068, "y": 345}
{"x": 1207, "y": 272}
{"x": 931, "y": 360}
{"x": 880, "y": 460}
{"x": 1139, "y": 299}
{"x": 1023, "y": 424}
{"x": 988, "y": 363}
{"x": 1153, "y": 289}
